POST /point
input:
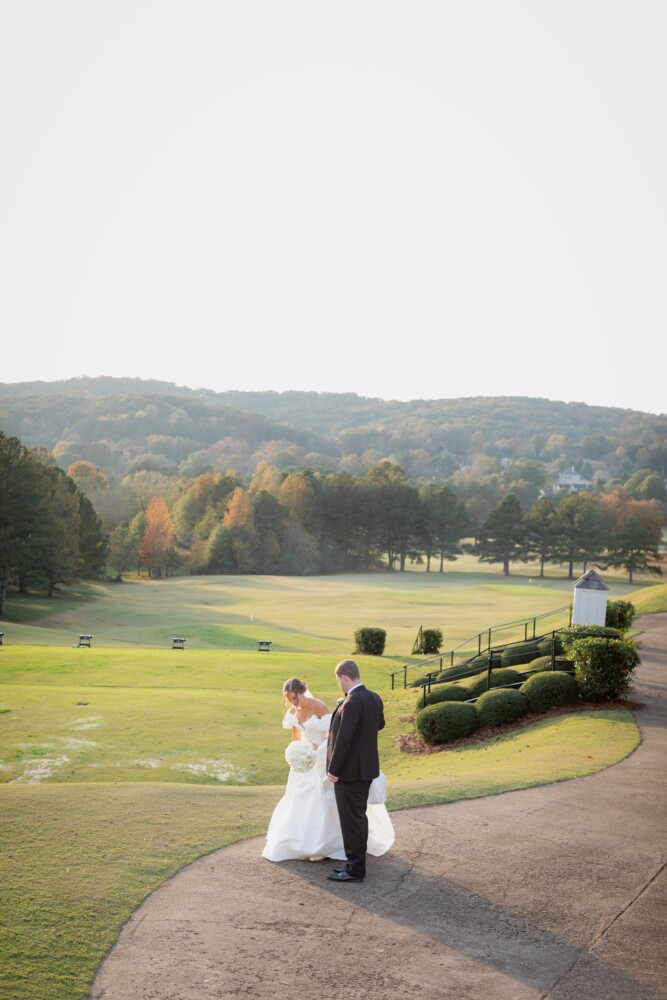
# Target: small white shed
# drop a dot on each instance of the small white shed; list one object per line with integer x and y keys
{"x": 590, "y": 600}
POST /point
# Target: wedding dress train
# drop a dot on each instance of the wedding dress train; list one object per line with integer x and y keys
{"x": 305, "y": 822}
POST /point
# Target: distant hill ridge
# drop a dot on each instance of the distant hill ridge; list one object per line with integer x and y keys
{"x": 116, "y": 423}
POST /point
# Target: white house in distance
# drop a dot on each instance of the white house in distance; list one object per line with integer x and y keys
{"x": 571, "y": 482}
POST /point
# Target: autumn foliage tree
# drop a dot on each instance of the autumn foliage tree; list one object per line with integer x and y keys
{"x": 244, "y": 541}
{"x": 158, "y": 538}
{"x": 635, "y": 535}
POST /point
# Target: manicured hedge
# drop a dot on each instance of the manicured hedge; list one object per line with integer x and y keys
{"x": 620, "y": 614}
{"x": 519, "y": 655}
{"x": 506, "y": 675}
{"x": 501, "y": 706}
{"x": 420, "y": 681}
{"x": 540, "y": 664}
{"x": 550, "y": 690}
{"x": 544, "y": 646}
{"x": 370, "y": 641}
{"x": 446, "y": 721}
{"x": 603, "y": 667}
{"x": 443, "y": 692}
{"x": 431, "y": 640}
{"x": 573, "y": 632}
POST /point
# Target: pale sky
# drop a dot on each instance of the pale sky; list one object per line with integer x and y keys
{"x": 399, "y": 199}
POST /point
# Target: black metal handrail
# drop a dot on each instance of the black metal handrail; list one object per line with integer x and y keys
{"x": 485, "y": 636}
{"x": 494, "y": 661}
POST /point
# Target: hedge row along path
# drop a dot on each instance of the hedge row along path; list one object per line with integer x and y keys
{"x": 556, "y": 893}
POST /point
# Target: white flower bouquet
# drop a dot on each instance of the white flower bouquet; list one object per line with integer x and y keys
{"x": 300, "y": 755}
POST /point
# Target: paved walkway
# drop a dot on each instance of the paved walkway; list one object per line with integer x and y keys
{"x": 556, "y": 892}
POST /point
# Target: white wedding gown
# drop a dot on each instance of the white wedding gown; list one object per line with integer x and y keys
{"x": 305, "y": 822}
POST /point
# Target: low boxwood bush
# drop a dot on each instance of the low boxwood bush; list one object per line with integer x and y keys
{"x": 420, "y": 681}
{"x": 446, "y": 721}
{"x": 431, "y": 640}
{"x": 370, "y": 641}
{"x": 501, "y": 706}
{"x": 505, "y": 675}
{"x": 481, "y": 662}
{"x": 519, "y": 655}
{"x": 443, "y": 692}
{"x": 550, "y": 690}
{"x": 573, "y": 632}
{"x": 538, "y": 665}
{"x": 603, "y": 667}
{"x": 544, "y": 646}
{"x": 620, "y": 614}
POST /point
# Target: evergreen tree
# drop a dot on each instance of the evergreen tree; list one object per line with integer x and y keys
{"x": 503, "y": 534}
{"x": 444, "y": 523}
{"x": 396, "y": 507}
{"x": 540, "y": 527}
{"x": 22, "y": 482}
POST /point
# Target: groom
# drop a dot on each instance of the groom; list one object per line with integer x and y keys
{"x": 352, "y": 763}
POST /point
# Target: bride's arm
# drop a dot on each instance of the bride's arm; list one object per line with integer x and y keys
{"x": 290, "y": 721}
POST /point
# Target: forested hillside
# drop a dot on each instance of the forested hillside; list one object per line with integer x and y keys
{"x": 122, "y": 425}
{"x": 163, "y": 479}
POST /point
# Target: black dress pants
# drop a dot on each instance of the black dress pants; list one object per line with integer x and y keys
{"x": 352, "y": 801}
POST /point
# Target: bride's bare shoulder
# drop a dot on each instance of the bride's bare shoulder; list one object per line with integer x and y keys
{"x": 320, "y": 708}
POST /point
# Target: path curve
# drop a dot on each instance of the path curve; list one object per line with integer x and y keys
{"x": 550, "y": 893}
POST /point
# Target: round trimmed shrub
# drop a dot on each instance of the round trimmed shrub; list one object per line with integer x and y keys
{"x": 620, "y": 614}
{"x": 550, "y": 690}
{"x": 603, "y": 667}
{"x": 446, "y": 721}
{"x": 540, "y": 664}
{"x": 431, "y": 640}
{"x": 519, "y": 655}
{"x": 482, "y": 662}
{"x": 506, "y": 675}
{"x": 444, "y": 692}
{"x": 574, "y": 632}
{"x": 501, "y": 706}
{"x": 370, "y": 641}
{"x": 544, "y": 646}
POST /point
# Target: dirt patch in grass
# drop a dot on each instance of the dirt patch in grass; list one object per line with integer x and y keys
{"x": 412, "y": 743}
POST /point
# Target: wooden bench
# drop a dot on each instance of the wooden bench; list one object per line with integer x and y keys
{"x": 178, "y": 643}
{"x": 264, "y": 645}
{"x": 84, "y": 640}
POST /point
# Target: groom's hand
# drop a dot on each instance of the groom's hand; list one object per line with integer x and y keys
{"x": 332, "y": 777}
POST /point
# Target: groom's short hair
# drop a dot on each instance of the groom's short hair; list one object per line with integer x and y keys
{"x": 348, "y": 668}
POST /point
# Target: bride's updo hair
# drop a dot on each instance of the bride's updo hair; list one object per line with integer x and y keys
{"x": 293, "y": 686}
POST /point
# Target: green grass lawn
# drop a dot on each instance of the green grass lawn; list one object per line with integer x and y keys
{"x": 123, "y": 762}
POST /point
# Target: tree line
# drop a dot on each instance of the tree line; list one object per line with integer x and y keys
{"x": 55, "y": 527}
{"x": 50, "y": 532}
{"x": 304, "y": 523}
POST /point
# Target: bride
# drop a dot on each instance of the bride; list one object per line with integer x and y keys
{"x": 305, "y": 823}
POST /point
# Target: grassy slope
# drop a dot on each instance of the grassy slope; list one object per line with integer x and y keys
{"x": 157, "y": 741}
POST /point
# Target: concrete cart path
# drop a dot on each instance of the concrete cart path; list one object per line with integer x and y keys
{"x": 554, "y": 892}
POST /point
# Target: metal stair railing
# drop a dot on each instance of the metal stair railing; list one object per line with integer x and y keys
{"x": 483, "y": 640}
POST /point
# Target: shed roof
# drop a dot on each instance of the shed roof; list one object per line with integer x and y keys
{"x": 591, "y": 581}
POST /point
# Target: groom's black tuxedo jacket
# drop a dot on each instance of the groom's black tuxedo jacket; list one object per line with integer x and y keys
{"x": 352, "y": 752}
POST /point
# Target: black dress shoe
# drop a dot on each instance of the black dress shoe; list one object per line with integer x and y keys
{"x": 345, "y": 877}
{"x": 334, "y": 869}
